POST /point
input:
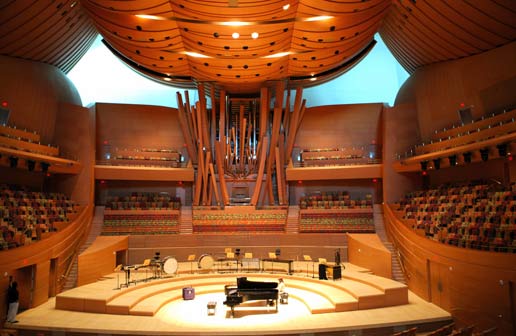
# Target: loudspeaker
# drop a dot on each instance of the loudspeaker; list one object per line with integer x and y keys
{"x": 502, "y": 150}
{"x": 13, "y": 161}
{"x": 467, "y": 157}
{"x": 424, "y": 165}
{"x": 484, "y": 154}
{"x": 437, "y": 164}
{"x": 453, "y": 160}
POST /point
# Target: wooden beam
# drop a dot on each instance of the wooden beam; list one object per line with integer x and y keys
{"x": 219, "y": 152}
{"x": 294, "y": 123}
{"x": 190, "y": 147}
{"x": 213, "y": 123}
{"x": 198, "y": 180}
{"x": 274, "y": 140}
{"x": 264, "y": 111}
{"x": 192, "y": 119}
{"x": 214, "y": 184}
{"x": 222, "y": 122}
{"x": 205, "y": 181}
{"x": 259, "y": 177}
{"x": 279, "y": 176}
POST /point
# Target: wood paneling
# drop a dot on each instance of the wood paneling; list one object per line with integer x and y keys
{"x": 99, "y": 259}
{"x": 366, "y": 250}
{"x": 462, "y": 81}
{"x": 34, "y": 93}
{"x": 137, "y": 126}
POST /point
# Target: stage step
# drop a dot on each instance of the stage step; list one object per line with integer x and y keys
{"x": 292, "y": 219}
{"x": 185, "y": 222}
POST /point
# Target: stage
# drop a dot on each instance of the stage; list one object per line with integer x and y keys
{"x": 359, "y": 303}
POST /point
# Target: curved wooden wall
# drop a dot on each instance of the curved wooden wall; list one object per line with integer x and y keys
{"x": 438, "y": 90}
{"x": 476, "y": 287}
{"x": 367, "y": 250}
{"x": 34, "y": 92}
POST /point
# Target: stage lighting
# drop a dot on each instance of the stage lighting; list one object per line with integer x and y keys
{"x": 502, "y": 149}
{"x": 484, "y": 154}
{"x": 278, "y": 252}
{"x": 424, "y": 165}
{"x": 437, "y": 164}
{"x": 13, "y": 161}
{"x": 453, "y": 160}
{"x": 467, "y": 157}
{"x": 31, "y": 164}
{"x": 44, "y": 166}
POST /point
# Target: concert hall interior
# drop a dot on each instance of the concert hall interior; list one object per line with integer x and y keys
{"x": 259, "y": 204}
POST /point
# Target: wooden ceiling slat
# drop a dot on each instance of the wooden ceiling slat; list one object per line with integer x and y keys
{"x": 495, "y": 16}
{"x": 12, "y": 11}
{"x": 132, "y": 6}
{"x": 406, "y": 62}
{"x": 84, "y": 34}
{"x": 482, "y": 39}
{"x": 21, "y": 24}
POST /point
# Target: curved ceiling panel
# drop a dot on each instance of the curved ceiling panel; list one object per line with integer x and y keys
{"x": 421, "y": 32}
{"x": 239, "y": 44}
{"x": 53, "y": 32}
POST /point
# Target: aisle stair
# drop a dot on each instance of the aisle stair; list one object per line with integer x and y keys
{"x": 96, "y": 229}
{"x": 185, "y": 222}
{"x": 397, "y": 270}
{"x": 292, "y": 219}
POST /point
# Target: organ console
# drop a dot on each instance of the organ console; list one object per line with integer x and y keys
{"x": 247, "y": 290}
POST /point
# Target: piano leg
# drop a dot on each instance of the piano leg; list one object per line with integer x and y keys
{"x": 232, "y": 311}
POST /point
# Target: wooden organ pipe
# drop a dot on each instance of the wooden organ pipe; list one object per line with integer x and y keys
{"x": 219, "y": 152}
{"x": 259, "y": 177}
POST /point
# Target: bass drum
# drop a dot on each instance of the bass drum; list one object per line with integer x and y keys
{"x": 170, "y": 265}
{"x": 206, "y": 262}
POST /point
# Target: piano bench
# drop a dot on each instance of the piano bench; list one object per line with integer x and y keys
{"x": 212, "y": 305}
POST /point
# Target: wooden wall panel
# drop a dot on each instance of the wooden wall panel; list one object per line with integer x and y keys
{"x": 473, "y": 285}
{"x": 99, "y": 259}
{"x": 400, "y": 132}
{"x": 75, "y": 133}
{"x": 439, "y": 89}
{"x": 367, "y": 250}
{"x": 338, "y": 126}
{"x": 34, "y": 93}
{"x": 137, "y": 126}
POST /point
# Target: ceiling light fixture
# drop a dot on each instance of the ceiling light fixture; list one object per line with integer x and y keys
{"x": 235, "y": 35}
{"x": 287, "y": 6}
{"x": 255, "y": 35}
{"x": 150, "y": 17}
{"x": 318, "y": 18}
{"x": 280, "y": 54}
{"x": 194, "y": 54}
{"x": 313, "y": 79}
{"x": 234, "y": 23}
{"x": 168, "y": 79}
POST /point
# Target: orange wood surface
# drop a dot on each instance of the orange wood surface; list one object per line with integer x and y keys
{"x": 334, "y": 172}
{"x": 100, "y": 258}
{"x": 471, "y": 284}
{"x": 366, "y": 250}
{"x": 103, "y": 172}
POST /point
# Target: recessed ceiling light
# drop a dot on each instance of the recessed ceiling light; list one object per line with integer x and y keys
{"x": 313, "y": 79}
{"x": 255, "y": 35}
{"x": 168, "y": 79}
{"x": 287, "y": 6}
{"x": 194, "y": 54}
{"x": 280, "y": 54}
{"x": 234, "y": 23}
{"x": 235, "y": 35}
{"x": 318, "y": 18}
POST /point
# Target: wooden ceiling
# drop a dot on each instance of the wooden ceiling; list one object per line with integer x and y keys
{"x": 304, "y": 42}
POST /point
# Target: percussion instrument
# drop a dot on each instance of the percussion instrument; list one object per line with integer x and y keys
{"x": 206, "y": 262}
{"x": 170, "y": 265}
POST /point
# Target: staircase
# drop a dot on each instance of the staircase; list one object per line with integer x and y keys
{"x": 397, "y": 271}
{"x": 292, "y": 219}
{"x": 96, "y": 229}
{"x": 185, "y": 221}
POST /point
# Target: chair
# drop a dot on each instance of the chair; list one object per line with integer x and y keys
{"x": 191, "y": 259}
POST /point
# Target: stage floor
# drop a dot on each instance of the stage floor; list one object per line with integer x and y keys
{"x": 180, "y": 317}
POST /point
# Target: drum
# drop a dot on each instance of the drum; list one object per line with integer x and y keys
{"x": 170, "y": 265}
{"x": 206, "y": 262}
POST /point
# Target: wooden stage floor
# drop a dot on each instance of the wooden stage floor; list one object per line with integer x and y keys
{"x": 178, "y": 317}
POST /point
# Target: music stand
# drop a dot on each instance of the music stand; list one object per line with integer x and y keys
{"x": 307, "y": 258}
{"x": 272, "y": 256}
{"x": 117, "y": 270}
{"x": 237, "y": 255}
{"x": 191, "y": 258}
{"x": 248, "y": 255}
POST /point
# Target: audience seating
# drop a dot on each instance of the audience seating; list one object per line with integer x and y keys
{"x": 487, "y": 127}
{"x": 146, "y": 157}
{"x": 477, "y": 216}
{"x": 142, "y": 214}
{"x": 243, "y": 219}
{"x": 310, "y": 157}
{"x": 14, "y": 138}
{"x": 28, "y": 215}
{"x": 335, "y": 212}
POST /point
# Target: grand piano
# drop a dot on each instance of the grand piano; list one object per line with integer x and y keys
{"x": 247, "y": 290}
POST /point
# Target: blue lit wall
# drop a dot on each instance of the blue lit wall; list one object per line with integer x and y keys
{"x": 101, "y": 77}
